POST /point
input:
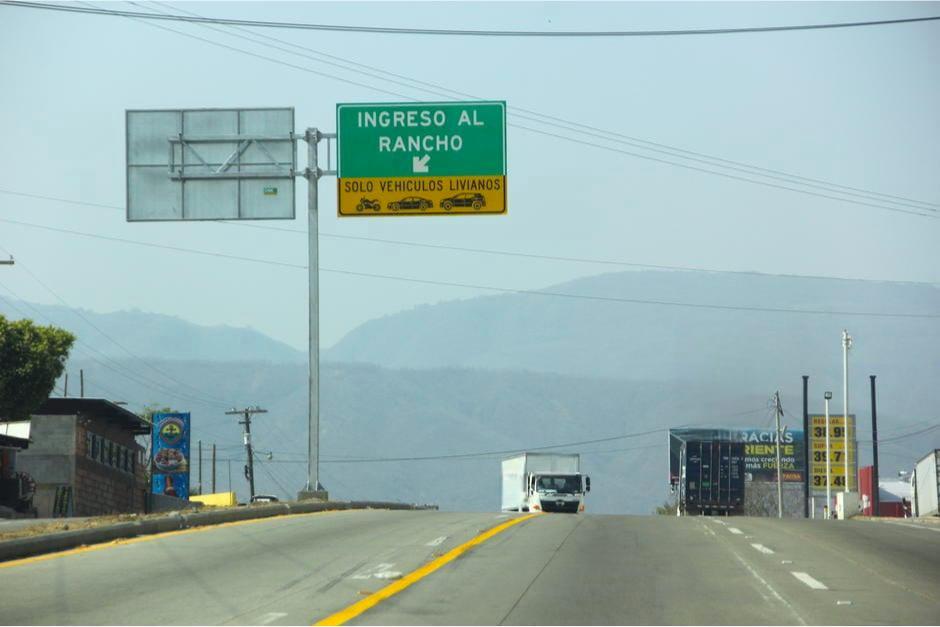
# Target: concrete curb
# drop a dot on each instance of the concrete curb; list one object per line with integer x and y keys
{"x": 64, "y": 540}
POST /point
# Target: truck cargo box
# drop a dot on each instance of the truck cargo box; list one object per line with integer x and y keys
{"x": 711, "y": 477}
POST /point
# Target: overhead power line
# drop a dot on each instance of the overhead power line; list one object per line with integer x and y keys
{"x": 199, "y": 394}
{"x": 546, "y": 133}
{"x": 467, "y": 249}
{"x": 549, "y": 120}
{"x": 474, "y": 286}
{"x": 387, "y": 30}
{"x": 103, "y": 360}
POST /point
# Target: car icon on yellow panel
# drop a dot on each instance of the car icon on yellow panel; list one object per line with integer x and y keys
{"x": 411, "y": 202}
{"x": 466, "y": 199}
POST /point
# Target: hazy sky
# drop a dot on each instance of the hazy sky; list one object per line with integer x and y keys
{"x": 857, "y": 107}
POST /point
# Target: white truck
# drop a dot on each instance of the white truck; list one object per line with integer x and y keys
{"x": 925, "y": 485}
{"x": 544, "y": 482}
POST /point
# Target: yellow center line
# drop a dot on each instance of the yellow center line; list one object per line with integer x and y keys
{"x": 394, "y": 588}
{"x": 151, "y": 537}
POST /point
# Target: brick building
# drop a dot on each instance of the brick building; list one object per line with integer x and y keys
{"x": 84, "y": 458}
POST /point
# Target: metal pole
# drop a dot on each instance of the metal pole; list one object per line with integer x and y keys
{"x": 200, "y": 466}
{"x": 229, "y": 462}
{"x": 65, "y": 393}
{"x": 81, "y": 382}
{"x": 875, "y": 496}
{"x": 846, "y": 344}
{"x": 313, "y": 174}
{"x": 213, "y": 467}
{"x": 777, "y": 413}
{"x": 807, "y": 465}
{"x": 828, "y": 464}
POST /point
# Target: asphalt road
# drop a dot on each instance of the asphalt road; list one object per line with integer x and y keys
{"x": 550, "y": 569}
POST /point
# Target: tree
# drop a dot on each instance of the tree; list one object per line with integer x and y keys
{"x": 32, "y": 357}
{"x": 668, "y": 508}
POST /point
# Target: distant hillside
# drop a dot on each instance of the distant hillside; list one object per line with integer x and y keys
{"x": 501, "y": 373}
{"x": 157, "y": 335}
{"x": 369, "y": 412}
{"x": 591, "y": 337}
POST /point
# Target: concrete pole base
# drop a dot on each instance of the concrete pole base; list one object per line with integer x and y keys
{"x": 318, "y": 495}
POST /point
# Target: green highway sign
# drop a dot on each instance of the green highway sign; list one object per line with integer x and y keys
{"x": 421, "y": 158}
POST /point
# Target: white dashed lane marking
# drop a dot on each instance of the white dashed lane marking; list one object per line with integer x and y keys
{"x": 735, "y": 531}
{"x": 815, "y": 584}
{"x": 436, "y": 541}
{"x": 763, "y": 549}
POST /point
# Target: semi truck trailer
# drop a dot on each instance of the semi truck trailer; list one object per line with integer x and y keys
{"x": 925, "y": 486}
{"x": 711, "y": 478}
{"x": 544, "y": 482}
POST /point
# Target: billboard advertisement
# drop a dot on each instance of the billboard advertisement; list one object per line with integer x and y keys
{"x": 170, "y": 455}
{"x": 760, "y": 451}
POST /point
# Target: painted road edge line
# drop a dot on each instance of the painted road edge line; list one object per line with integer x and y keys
{"x": 152, "y": 536}
{"x": 415, "y": 576}
{"x": 815, "y": 584}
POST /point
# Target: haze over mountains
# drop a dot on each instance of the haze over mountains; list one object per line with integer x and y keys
{"x": 491, "y": 374}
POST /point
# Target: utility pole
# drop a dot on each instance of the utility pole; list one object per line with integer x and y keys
{"x": 81, "y": 382}
{"x": 846, "y": 345}
{"x": 65, "y": 392}
{"x": 248, "y": 412}
{"x": 875, "y": 495}
{"x": 778, "y": 410}
{"x": 229, "y": 474}
{"x": 213, "y": 467}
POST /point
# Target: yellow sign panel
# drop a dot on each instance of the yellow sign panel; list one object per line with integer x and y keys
{"x": 421, "y": 195}
{"x": 837, "y": 452}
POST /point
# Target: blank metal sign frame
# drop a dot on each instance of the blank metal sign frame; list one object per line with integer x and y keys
{"x": 210, "y": 164}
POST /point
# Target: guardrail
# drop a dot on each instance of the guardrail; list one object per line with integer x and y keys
{"x": 64, "y": 540}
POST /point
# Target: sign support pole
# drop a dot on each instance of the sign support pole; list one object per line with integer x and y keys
{"x": 313, "y": 488}
{"x": 312, "y": 137}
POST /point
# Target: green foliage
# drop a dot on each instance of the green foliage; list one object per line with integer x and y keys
{"x": 32, "y": 357}
{"x": 668, "y": 508}
{"x": 154, "y": 408}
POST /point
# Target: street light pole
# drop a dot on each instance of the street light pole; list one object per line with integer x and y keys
{"x": 828, "y": 397}
{"x": 846, "y": 345}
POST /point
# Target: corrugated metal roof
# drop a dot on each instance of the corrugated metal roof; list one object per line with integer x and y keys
{"x": 97, "y": 407}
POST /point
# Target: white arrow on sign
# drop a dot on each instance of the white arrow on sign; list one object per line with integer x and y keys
{"x": 419, "y": 165}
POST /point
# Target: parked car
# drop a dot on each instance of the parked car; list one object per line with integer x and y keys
{"x": 264, "y": 498}
{"x": 365, "y": 203}
{"x": 467, "y": 199}
{"x": 411, "y": 202}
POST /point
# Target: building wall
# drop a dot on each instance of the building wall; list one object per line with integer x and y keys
{"x": 60, "y": 454}
{"x": 110, "y": 473}
{"x": 48, "y": 460}
{"x": 760, "y": 499}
